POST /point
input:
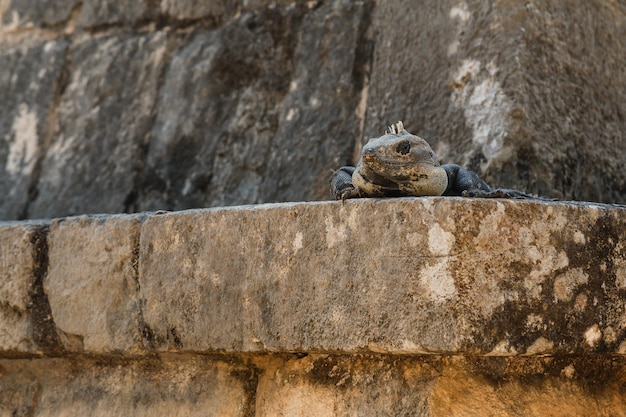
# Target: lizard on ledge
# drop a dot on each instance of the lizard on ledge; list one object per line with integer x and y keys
{"x": 401, "y": 164}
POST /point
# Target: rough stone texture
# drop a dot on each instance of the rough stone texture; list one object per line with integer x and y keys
{"x": 119, "y": 105}
{"x": 27, "y": 81}
{"x": 182, "y": 386}
{"x": 396, "y": 307}
{"x": 96, "y": 13}
{"x": 92, "y": 283}
{"x": 327, "y": 385}
{"x": 37, "y": 13}
{"x": 18, "y": 264}
{"x": 103, "y": 118}
{"x": 258, "y": 110}
{"x": 446, "y": 275}
{"x": 66, "y": 14}
{"x": 530, "y": 95}
{"x": 181, "y": 104}
{"x": 315, "y": 385}
{"x": 190, "y": 9}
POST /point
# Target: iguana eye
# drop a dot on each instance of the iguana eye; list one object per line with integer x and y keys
{"x": 403, "y": 147}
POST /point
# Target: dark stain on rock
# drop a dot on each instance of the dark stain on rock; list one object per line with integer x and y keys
{"x": 593, "y": 373}
{"x": 42, "y": 322}
{"x": 564, "y": 323}
{"x": 172, "y": 335}
{"x": 148, "y": 336}
{"x": 248, "y": 376}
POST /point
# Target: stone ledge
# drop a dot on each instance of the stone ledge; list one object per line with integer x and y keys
{"x": 400, "y": 276}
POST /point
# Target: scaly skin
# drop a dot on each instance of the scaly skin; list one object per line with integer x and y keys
{"x": 401, "y": 164}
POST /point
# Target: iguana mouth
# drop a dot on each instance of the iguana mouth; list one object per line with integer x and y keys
{"x": 371, "y": 158}
{"x": 374, "y": 178}
{"x": 396, "y": 173}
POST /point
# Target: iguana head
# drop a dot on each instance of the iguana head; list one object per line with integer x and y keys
{"x": 399, "y": 163}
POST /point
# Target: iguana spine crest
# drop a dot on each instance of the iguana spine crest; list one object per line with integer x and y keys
{"x": 396, "y": 129}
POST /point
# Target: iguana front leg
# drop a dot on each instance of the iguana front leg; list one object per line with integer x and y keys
{"x": 341, "y": 186}
{"x": 462, "y": 181}
{"x": 466, "y": 183}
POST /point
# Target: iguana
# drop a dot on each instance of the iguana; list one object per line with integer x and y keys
{"x": 401, "y": 164}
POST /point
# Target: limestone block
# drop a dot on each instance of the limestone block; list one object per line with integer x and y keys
{"x": 530, "y": 95}
{"x": 326, "y": 385}
{"x": 96, "y": 13}
{"x": 92, "y": 13}
{"x": 20, "y": 13}
{"x": 183, "y": 386}
{"x": 18, "y": 267}
{"x": 190, "y": 9}
{"x": 103, "y": 118}
{"x": 28, "y": 82}
{"x": 410, "y": 275}
{"x": 314, "y": 385}
{"x": 259, "y": 109}
{"x": 367, "y": 385}
{"x": 92, "y": 283}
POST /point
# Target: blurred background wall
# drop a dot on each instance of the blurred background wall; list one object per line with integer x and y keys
{"x": 133, "y": 105}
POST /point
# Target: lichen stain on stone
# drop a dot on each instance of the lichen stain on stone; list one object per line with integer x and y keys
{"x": 22, "y": 149}
{"x": 566, "y": 283}
{"x": 460, "y": 12}
{"x": 297, "y": 242}
{"x": 485, "y": 106}
{"x": 460, "y": 15}
{"x": 579, "y": 238}
{"x": 540, "y": 346}
{"x": 440, "y": 242}
{"x": 338, "y": 232}
{"x": 438, "y": 281}
{"x": 535, "y": 322}
{"x": 502, "y": 348}
{"x": 593, "y": 335}
{"x": 335, "y": 234}
{"x": 547, "y": 259}
{"x": 580, "y": 303}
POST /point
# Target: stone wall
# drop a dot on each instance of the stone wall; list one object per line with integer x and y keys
{"x": 416, "y": 307}
{"x": 125, "y": 106}
{"x": 411, "y": 306}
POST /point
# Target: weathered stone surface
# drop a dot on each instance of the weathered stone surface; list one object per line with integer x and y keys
{"x": 258, "y": 110}
{"x": 525, "y": 301}
{"x": 256, "y": 101}
{"x": 96, "y": 13}
{"x": 529, "y": 95}
{"x": 18, "y": 265}
{"x": 190, "y": 9}
{"x": 182, "y": 386}
{"x": 58, "y": 13}
{"x": 92, "y": 283}
{"x": 328, "y": 385}
{"x": 28, "y": 82}
{"x": 315, "y": 385}
{"x": 103, "y": 119}
{"x": 37, "y": 13}
{"x": 430, "y": 275}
